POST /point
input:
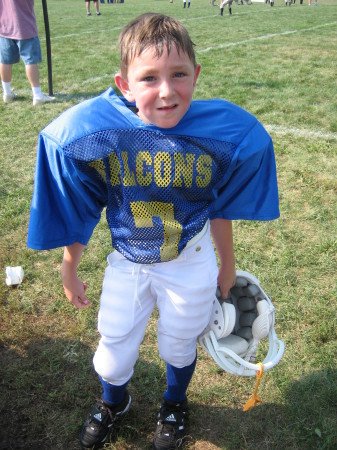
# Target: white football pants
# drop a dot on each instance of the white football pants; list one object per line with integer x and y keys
{"x": 183, "y": 291}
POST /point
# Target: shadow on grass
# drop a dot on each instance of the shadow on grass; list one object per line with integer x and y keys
{"x": 48, "y": 388}
{"x": 43, "y": 390}
{"x": 306, "y": 421}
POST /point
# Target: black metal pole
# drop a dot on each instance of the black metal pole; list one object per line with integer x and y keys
{"x": 46, "y": 26}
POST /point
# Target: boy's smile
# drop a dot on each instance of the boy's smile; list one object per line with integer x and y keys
{"x": 161, "y": 87}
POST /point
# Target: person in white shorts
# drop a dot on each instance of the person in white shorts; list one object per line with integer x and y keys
{"x": 19, "y": 39}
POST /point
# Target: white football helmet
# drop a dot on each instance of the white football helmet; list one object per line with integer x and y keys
{"x": 238, "y": 324}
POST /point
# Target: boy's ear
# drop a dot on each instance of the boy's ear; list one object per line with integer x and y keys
{"x": 123, "y": 86}
{"x": 196, "y": 74}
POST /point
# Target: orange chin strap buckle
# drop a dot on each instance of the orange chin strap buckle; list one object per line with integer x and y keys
{"x": 254, "y": 399}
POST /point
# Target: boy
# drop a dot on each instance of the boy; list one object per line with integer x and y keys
{"x": 169, "y": 170}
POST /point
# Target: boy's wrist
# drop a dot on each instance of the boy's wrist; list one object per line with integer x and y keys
{"x": 68, "y": 269}
{"x": 71, "y": 257}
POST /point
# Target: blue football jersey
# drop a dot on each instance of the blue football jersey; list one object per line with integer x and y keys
{"x": 159, "y": 186}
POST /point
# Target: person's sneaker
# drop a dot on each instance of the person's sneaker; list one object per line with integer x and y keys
{"x": 170, "y": 427}
{"x": 98, "y": 14}
{"x": 100, "y": 421}
{"x": 9, "y": 98}
{"x": 89, "y": 14}
{"x": 44, "y": 99}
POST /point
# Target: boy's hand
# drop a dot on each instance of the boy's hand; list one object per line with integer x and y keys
{"x": 226, "y": 279}
{"x": 75, "y": 289}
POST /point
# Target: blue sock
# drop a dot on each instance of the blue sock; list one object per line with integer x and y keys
{"x": 178, "y": 380}
{"x": 113, "y": 394}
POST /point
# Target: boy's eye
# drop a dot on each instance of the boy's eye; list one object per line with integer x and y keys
{"x": 149, "y": 78}
{"x": 179, "y": 75}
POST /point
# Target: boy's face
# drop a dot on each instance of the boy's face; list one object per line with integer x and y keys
{"x": 161, "y": 87}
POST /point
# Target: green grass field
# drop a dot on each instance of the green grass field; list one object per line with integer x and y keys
{"x": 278, "y": 63}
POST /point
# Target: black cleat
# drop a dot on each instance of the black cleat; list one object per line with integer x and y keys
{"x": 170, "y": 428}
{"x": 100, "y": 422}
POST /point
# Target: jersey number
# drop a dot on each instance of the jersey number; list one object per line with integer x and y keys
{"x": 143, "y": 213}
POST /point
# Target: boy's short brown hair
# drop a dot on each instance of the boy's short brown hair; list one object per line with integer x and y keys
{"x": 153, "y": 30}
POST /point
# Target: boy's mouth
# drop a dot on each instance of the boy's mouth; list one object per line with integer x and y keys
{"x": 168, "y": 108}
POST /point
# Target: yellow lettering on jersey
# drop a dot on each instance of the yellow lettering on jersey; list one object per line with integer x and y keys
{"x": 204, "y": 169}
{"x": 99, "y": 166}
{"x": 115, "y": 169}
{"x": 129, "y": 178}
{"x": 183, "y": 171}
{"x": 162, "y": 169}
{"x": 143, "y": 212}
{"x": 144, "y": 178}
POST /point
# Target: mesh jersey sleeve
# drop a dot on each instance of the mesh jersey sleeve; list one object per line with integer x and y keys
{"x": 248, "y": 190}
{"x": 66, "y": 204}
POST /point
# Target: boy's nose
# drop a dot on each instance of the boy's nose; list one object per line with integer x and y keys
{"x": 165, "y": 89}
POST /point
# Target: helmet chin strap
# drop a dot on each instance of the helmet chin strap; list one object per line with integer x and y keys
{"x": 254, "y": 399}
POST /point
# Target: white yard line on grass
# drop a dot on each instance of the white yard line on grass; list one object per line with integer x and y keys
{"x": 90, "y": 81}
{"x": 315, "y": 134}
{"x": 67, "y": 36}
{"x": 263, "y": 37}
